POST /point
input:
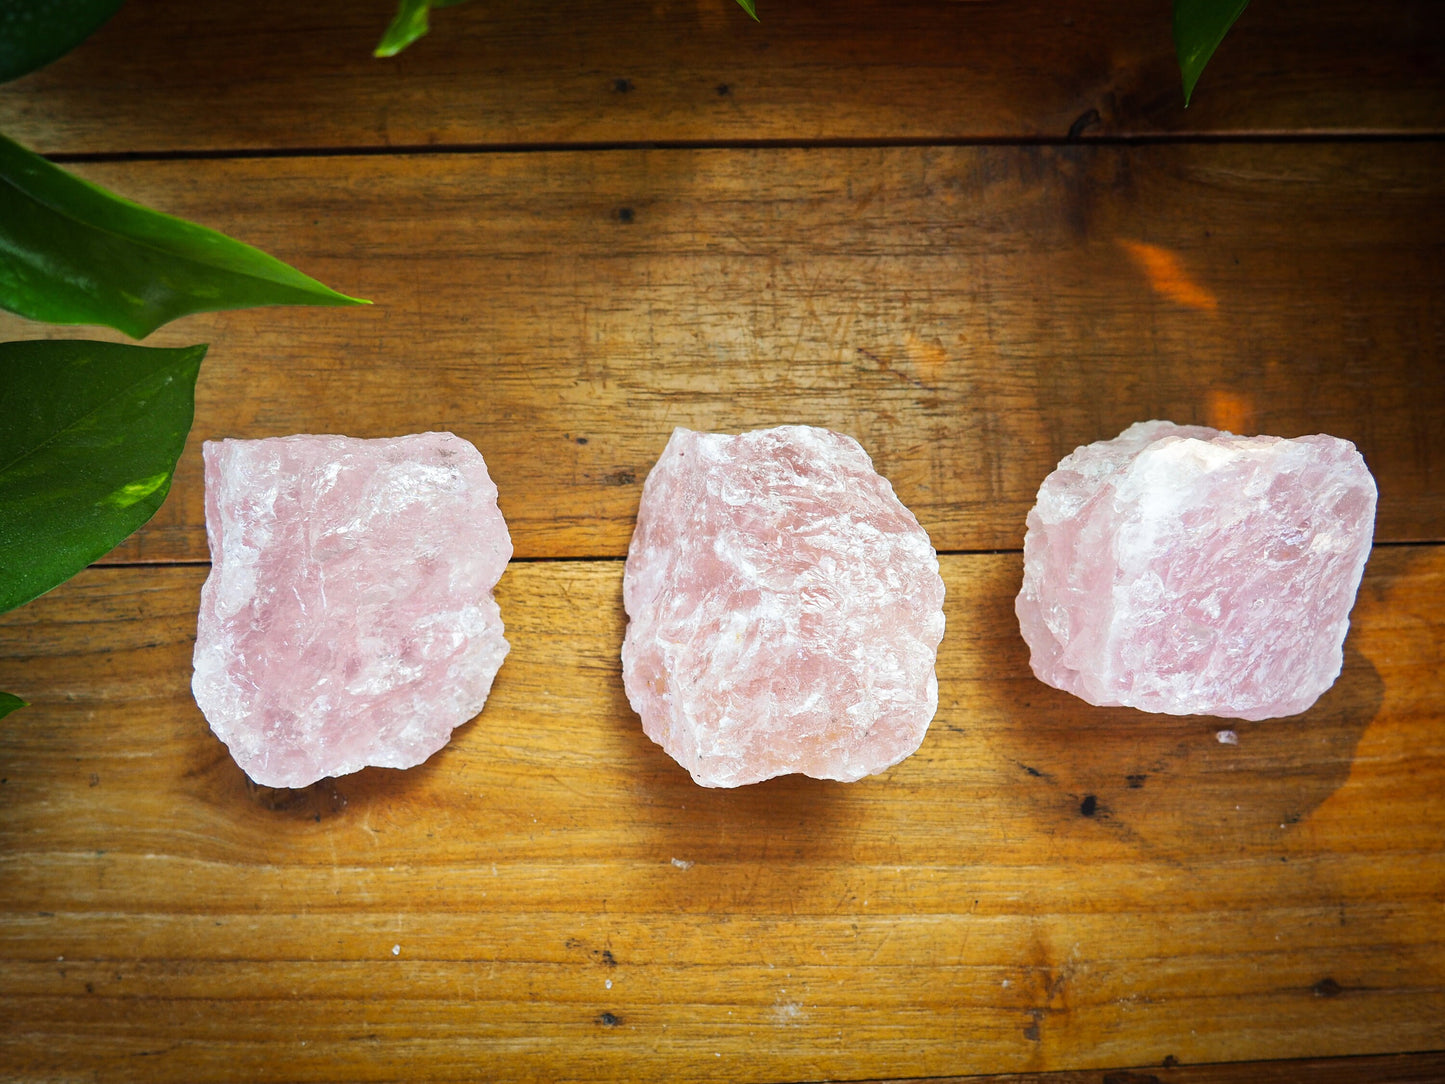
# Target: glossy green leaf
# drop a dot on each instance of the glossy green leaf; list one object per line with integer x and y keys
{"x": 1199, "y": 27}
{"x": 9, "y": 702}
{"x": 751, "y": 7}
{"x": 73, "y": 253}
{"x": 89, "y": 437}
{"x": 35, "y": 32}
{"x": 411, "y": 22}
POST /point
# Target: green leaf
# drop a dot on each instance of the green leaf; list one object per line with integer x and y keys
{"x": 73, "y": 253}
{"x": 89, "y": 437}
{"x": 751, "y": 7}
{"x": 1199, "y": 27}
{"x": 35, "y": 32}
{"x": 9, "y": 702}
{"x": 409, "y": 24}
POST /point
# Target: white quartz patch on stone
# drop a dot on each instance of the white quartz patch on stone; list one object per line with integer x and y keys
{"x": 785, "y": 609}
{"x": 348, "y": 619}
{"x": 1186, "y": 570}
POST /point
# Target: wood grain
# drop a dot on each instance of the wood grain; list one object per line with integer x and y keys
{"x": 584, "y": 224}
{"x": 969, "y": 314}
{"x": 512, "y": 910}
{"x": 168, "y": 75}
{"x": 1426, "y": 1068}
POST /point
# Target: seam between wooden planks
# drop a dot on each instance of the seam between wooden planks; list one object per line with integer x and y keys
{"x": 862, "y": 143}
{"x": 195, "y": 562}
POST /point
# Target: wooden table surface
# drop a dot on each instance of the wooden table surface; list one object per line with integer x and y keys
{"x": 972, "y": 235}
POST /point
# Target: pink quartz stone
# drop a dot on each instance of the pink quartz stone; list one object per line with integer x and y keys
{"x": 348, "y": 619}
{"x": 1185, "y": 570}
{"x": 784, "y": 609}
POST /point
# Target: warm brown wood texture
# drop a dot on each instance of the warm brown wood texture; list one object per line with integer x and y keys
{"x": 970, "y": 314}
{"x": 512, "y": 908}
{"x": 973, "y": 235}
{"x": 1427, "y": 1068}
{"x": 175, "y": 74}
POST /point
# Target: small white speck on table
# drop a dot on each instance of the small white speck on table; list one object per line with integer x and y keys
{"x": 682, "y": 863}
{"x": 396, "y": 950}
{"x": 1227, "y": 737}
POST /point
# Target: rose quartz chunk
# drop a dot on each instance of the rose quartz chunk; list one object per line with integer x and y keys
{"x": 348, "y": 619}
{"x": 784, "y": 609}
{"x": 1185, "y": 570}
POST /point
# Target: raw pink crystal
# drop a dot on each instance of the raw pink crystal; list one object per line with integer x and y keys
{"x": 785, "y": 609}
{"x": 1185, "y": 570}
{"x": 348, "y": 619}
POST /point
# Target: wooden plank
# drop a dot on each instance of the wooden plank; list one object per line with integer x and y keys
{"x": 1426, "y": 1068}
{"x": 969, "y": 314}
{"x": 263, "y": 74}
{"x": 513, "y": 904}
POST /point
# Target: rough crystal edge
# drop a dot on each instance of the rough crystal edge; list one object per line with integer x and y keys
{"x": 1130, "y": 445}
{"x": 668, "y": 733}
{"x": 204, "y": 673}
